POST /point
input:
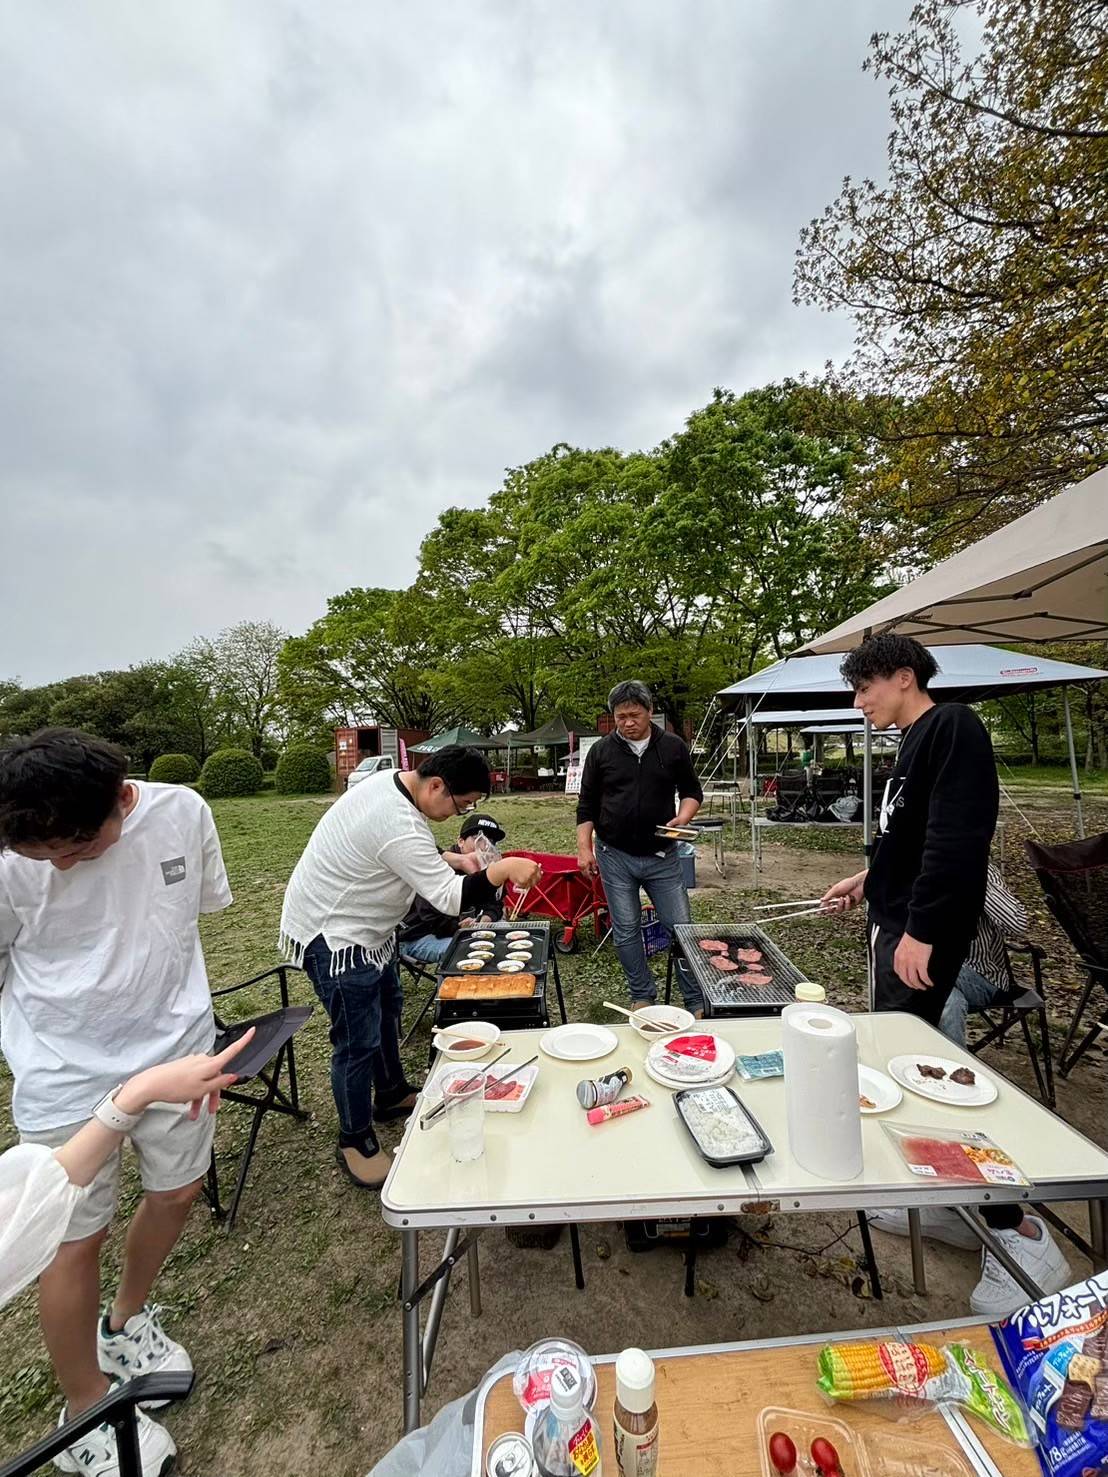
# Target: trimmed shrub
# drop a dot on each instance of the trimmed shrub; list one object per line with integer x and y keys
{"x": 302, "y": 770}
{"x": 230, "y": 772}
{"x": 174, "y": 769}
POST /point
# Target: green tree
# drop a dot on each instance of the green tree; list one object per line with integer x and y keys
{"x": 978, "y": 275}
{"x": 246, "y": 677}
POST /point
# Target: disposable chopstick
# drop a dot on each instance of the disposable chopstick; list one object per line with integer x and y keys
{"x": 800, "y": 913}
{"x": 796, "y": 902}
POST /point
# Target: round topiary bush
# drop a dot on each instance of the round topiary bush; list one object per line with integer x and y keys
{"x": 230, "y": 772}
{"x": 174, "y": 769}
{"x": 302, "y": 770}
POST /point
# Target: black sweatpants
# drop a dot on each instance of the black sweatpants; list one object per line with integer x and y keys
{"x": 891, "y": 993}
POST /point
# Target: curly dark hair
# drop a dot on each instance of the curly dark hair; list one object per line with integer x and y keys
{"x": 881, "y": 656}
{"x": 57, "y": 785}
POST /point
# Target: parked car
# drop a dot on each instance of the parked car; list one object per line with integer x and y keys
{"x": 375, "y": 764}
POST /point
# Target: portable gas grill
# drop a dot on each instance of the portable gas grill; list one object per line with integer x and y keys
{"x": 723, "y": 993}
{"x": 512, "y": 1012}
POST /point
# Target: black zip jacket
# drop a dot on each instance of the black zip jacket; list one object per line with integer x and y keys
{"x": 931, "y": 864}
{"x": 625, "y": 797}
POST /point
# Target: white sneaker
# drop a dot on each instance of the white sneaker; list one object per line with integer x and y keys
{"x": 998, "y": 1294}
{"x": 936, "y": 1222}
{"x": 95, "y": 1455}
{"x": 140, "y": 1347}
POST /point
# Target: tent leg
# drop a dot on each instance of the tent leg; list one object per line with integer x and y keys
{"x": 1073, "y": 763}
{"x": 867, "y": 838}
{"x": 752, "y": 765}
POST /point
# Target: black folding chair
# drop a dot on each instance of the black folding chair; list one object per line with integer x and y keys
{"x": 1016, "y": 1006}
{"x": 1074, "y": 879}
{"x": 264, "y": 1061}
{"x": 417, "y": 971}
{"x": 118, "y": 1408}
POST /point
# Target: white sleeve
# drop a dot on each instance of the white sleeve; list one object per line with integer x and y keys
{"x": 36, "y": 1202}
{"x": 415, "y": 859}
{"x": 215, "y": 890}
{"x": 9, "y": 932}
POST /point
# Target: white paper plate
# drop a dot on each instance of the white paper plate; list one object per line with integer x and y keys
{"x": 672, "y": 1017}
{"x": 580, "y": 1041}
{"x": 904, "y": 1070}
{"x": 882, "y": 1091}
{"x": 722, "y": 1067}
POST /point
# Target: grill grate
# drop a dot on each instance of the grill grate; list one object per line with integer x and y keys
{"x": 722, "y": 994}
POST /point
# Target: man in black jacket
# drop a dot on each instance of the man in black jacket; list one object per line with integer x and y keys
{"x": 926, "y": 886}
{"x": 631, "y": 781}
{"x": 926, "y": 894}
{"x": 425, "y": 933}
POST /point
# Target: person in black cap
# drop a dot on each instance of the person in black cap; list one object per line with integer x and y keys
{"x": 425, "y": 933}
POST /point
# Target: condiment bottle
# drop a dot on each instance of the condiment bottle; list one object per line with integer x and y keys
{"x": 567, "y": 1439}
{"x": 635, "y": 1416}
{"x": 810, "y": 994}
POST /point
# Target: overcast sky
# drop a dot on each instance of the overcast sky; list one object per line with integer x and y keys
{"x": 280, "y": 281}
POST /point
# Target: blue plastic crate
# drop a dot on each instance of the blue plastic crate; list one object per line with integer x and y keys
{"x": 655, "y": 938}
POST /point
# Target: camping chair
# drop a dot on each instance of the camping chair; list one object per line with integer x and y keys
{"x": 1017, "y": 1004}
{"x": 418, "y": 970}
{"x": 119, "y": 1409}
{"x": 1074, "y": 878}
{"x": 264, "y": 1060}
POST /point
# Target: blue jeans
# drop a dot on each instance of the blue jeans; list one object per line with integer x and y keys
{"x": 972, "y": 991}
{"x": 363, "y": 1004}
{"x": 429, "y": 949}
{"x": 660, "y": 877}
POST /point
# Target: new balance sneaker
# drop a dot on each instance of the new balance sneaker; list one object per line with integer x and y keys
{"x": 936, "y": 1223}
{"x": 998, "y": 1294}
{"x": 140, "y": 1347}
{"x": 96, "y": 1454}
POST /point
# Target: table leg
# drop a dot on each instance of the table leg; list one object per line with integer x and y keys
{"x": 919, "y": 1271}
{"x": 434, "y": 1312}
{"x": 413, "y": 1352}
{"x": 473, "y": 1267}
{"x": 1098, "y": 1232}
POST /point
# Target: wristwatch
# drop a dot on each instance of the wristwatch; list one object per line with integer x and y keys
{"x": 112, "y": 1117}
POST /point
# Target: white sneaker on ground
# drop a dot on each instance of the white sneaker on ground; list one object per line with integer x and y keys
{"x": 998, "y": 1294}
{"x": 95, "y": 1454}
{"x": 937, "y": 1223}
{"x": 141, "y": 1346}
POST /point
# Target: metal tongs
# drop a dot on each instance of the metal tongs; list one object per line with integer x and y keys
{"x": 796, "y": 908}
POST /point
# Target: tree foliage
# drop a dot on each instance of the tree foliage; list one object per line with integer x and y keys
{"x": 977, "y": 275}
{"x": 174, "y": 769}
{"x": 302, "y": 770}
{"x": 230, "y": 772}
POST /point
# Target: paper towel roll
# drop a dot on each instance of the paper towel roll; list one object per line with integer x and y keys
{"x": 821, "y": 1090}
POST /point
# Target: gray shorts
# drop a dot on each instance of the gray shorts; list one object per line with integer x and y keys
{"x": 172, "y": 1151}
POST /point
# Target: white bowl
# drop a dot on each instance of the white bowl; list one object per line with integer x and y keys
{"x": 671, "y": 1016}
{"x": 483, "y": 1031}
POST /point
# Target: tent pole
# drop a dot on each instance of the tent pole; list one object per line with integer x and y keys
{"x": 508, "y": 772}
{"x": 867, "y": 841}
{"x": 1073, "y": 764}
{"x": 752, "y": 764}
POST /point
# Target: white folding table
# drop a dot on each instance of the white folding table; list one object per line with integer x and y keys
{"x": 546, "y": 1164}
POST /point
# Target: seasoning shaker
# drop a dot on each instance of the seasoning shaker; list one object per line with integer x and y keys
{"x": 635, "y": 1417}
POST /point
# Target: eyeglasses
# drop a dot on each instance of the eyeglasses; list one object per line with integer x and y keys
{"x": 459, "y": 809}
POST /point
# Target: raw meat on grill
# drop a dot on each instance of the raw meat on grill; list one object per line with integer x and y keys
{"x": 749, "y": 956}
{"x": 713, "y": 946}
{"x": 723, "y": 964}
{"x": 754, "y": 980}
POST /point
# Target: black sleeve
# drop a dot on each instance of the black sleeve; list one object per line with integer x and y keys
{"x": 588, "y": 802}
{"x": 688, "y": 786}
{"x": 961, "y": 819}
{"x": 477, "y": 891}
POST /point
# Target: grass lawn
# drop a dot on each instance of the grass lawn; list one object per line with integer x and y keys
{"x": 293, "y": 1322}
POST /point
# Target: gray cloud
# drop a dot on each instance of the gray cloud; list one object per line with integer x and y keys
{"x": 281, "y": 281}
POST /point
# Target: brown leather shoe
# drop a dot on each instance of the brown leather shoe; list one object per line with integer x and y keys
{"x": 368, "y": 1172}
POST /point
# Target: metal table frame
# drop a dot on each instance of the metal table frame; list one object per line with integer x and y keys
{"x": 462, "y": 1224}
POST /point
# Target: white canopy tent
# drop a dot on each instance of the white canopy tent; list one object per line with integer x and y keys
{"x": 967, "y": 673}
{"x": 1042, "y": 578}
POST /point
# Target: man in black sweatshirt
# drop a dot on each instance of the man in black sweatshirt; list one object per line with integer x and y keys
{"x": 926, "y": 894}
{"x": 925, "y": 889}
{"x": 630, "y": 784}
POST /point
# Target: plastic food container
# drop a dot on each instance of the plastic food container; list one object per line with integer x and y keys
{"x": 802, "y": 1427}
{"x": 531, "y": 1381}
{"x": 721, "y": 1127}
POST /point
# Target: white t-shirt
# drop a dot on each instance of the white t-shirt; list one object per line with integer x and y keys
{"x": 370, "y": 855}
{"x": 101, "y": 965}
{"x": 639, "y": 746}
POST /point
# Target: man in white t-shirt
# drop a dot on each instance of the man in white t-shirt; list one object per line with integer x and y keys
{"x": 102, "y": 881}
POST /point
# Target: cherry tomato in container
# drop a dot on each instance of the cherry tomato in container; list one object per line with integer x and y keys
{"x": 782, "y": 1453}
{"x": 826, "y": 1458}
